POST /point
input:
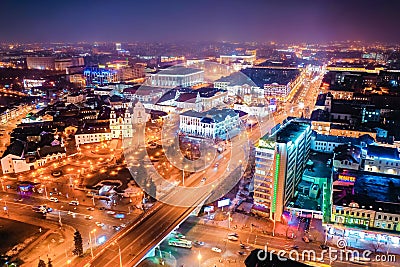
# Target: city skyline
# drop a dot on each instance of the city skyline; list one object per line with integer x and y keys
{"x": 125, "y": 21}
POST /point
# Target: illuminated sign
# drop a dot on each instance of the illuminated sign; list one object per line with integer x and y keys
{"x": 224, "y": 202}
{"x": 346, "y": 178}
{"x": 276, "y": 176}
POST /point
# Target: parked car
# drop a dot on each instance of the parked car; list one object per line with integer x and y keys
{"x": 99, "y": 224}
{"x": 233, "y": 238}
{"x": 233, "y": 234}
{"x": 306, "y": 239}
{"x": 110, "y": 212}
{"x": 74, "y": 203}
{"x": 216, "y": 249}
{"x": 53, "y": 199}
{"x": 88, "y": 217}
{"x": 198, "y": 243}
{"x": 90, "y": 208}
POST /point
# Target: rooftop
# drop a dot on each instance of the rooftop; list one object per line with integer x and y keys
{"x": 383, "y": 152}
{"x": 178, "y": 71}
{"x": 370, "y": 191}
{"x": 289, "y": 132}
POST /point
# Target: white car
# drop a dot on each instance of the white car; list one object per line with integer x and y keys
{"x": 233, "y": 238}
{"x": 203, "y": 180}
{"x": 74, "y": 203}
{"x": 110, "y": 212}
{"x": 88, "y": 217}
{"x": 99, "y": 224}
{"x": 216, "y": 249}
{"x": 53, "y": 199}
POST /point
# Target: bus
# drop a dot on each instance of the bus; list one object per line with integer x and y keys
{"x": 183, "y": 243}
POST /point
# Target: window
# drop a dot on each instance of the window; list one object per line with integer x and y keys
{"x": 379, "y": 217}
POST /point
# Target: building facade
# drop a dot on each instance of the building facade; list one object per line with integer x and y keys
{"x": 176, "y": 76}
{"x": 213, "y": 124}
{"x": 280, "y": 162}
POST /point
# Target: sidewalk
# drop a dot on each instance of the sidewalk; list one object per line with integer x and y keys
{"x": 243, "y": 221}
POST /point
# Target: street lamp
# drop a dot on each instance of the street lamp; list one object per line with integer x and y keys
{"x": 199, "y": 257}
{"x": 119, "y": 252}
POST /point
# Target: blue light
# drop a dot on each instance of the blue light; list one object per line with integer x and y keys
{"x": 101, "y": 239}
{"x": 119, "y": 216}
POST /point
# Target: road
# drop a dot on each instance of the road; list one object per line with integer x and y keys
{"x": 151, "y": 229}
{"x": 214, "y": 236}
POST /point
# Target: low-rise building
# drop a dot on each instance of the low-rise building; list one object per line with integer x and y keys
{"x": 214, "y": 123}
{"x": 93, "y": 133}
{"x": 380, "y": 159}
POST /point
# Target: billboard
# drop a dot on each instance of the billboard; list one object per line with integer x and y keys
{"x": 224, "y": 202}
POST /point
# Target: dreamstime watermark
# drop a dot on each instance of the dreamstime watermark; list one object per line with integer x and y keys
{"x": 330, "y": 254}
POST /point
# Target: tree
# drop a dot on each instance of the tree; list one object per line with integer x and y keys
{"x": 49, "y": 263}
{"x": 41, "y": 263}
{"x": 78, "y": 250}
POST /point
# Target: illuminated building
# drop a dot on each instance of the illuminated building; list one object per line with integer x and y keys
{"x": 280, "y": 161}
{"x": 176, "y": 76}
{"x": 123, "y": 119}
{"x": 93, "y": 133}
{"x": 118, "y": 46}
{"x": 213, "y": 124}
{"x": 276, "y": 82}
{"x": 64, "y": 63}
{"x": 366, "y": 201}
{"x": 40, "y": 63}
{"x": 246, "y": 60}
{"x": 100, "y": 76}
{"x": 21, "y": 156}
{"x": 381, "y": 159}
{"x": 201, "y": 99}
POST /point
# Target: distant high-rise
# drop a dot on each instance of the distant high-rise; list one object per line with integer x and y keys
{"x": 118, "y": 46}
{"x": 280, "y": 161}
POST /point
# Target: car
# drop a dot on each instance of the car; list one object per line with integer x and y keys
{"x": 233, "y": 234}
{"x": 116, "y": 227}
{"x": 53, "y": 199}
{"x": 216, "y": 249}
{"x": 198, "y": 243}
{"x": 203, "y": 180}
{"x": 216, "y": 165}
{"x": 110, "y": 212}
{"x": 306, "y": 239}
{"x": 242, "y": 253}
{"x": 90, "y": 208}
{"x": 99, "y": 224}
{"x": 102, "y": 208}
{"x": 243, "y": 246}
{"x": 74, "y": 203}
{"x": 232, "y": 238}
{"x": 180, "y": 236}
{"x": 88, "y": 217}
{"x": 295, "y": 247}
{"x": 123, "y": 225}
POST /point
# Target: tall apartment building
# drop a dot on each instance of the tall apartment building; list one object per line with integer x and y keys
{"x": 280, "y": 161}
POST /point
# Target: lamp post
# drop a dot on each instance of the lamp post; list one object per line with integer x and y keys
{"x": 91, "y": 245}
{"x": 119, "y": 252}
{"x": 199, "y": 258}
{"x": 94, "y": 235}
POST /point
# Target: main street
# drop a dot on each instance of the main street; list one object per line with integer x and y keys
{"x": 145, "y": 234}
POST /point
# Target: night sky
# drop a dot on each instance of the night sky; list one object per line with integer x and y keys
{"x": 196, "y": 20}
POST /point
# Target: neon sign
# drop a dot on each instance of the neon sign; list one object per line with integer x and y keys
{"x": 346, "y": 178}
